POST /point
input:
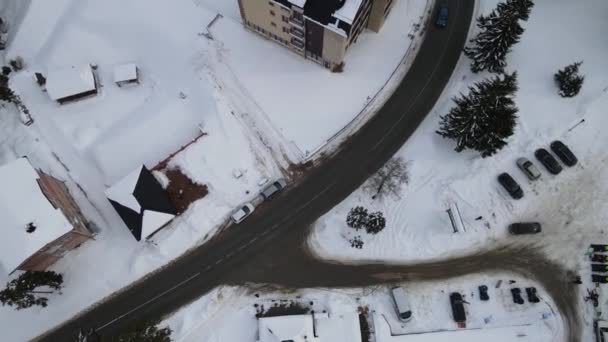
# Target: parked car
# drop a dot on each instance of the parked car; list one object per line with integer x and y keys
{"x": 404, "y": 310}
{"x": 529, "y": 169}
{"x": 245, "y": 210}
{"x": 598, "y": 278}
{"x": 442, "y": 16}
{"x": 599, "y": 268}
{"x": 521, "y": 228}
{"x": 457, "y": 304}
{"x": 564, "y": 153}
{"x": 599, "y": 258}
{"x": 483, "y": 293}
{"x": 510, "y": 185}
{"x": 273, "y": 189}
{"x": 548, "y": 161}
{"x": 517, "y": 298}
{"x": 599, "y": 248}
{"x": 531, "y": 293}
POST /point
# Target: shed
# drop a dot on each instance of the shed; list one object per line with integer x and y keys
{"x": 126, "y": 74}
{"x": 71, "y": 83}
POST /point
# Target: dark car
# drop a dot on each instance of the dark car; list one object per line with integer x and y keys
{"x": 521, "y": 228}
{"x": 598, "y": 278}
{"x": 510, "y": 185}
{"x": 599, "y": 268}
{"x": 457, "y": 303}
{"x": 599, "y": 248}
{"x": 442, "y": 16}
{"x": 548, "y": 161}
{"x": 599, "y": 258}
{"x": 517, "y": 298}
{"x": 564, "y": 153}
{"x": 531, "y": 293}
{"x": 483, "y": 293}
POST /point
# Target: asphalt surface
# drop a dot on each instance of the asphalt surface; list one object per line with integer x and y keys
{"x": 268, "y": 247}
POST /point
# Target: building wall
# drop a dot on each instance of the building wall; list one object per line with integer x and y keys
{"x": 267, "y": 18}
{"x": 334, "y": 47}
{"x": 380, "y": 11}
{"x": 58, "y": 195}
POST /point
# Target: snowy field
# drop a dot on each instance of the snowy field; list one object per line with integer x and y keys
{"x": 213, "y": 317}
{"x": 571, "y": 206}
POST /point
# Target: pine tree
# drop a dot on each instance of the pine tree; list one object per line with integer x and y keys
{"x": 357, "y": 218}
{"x": 22, "y": 292}
{"x": 499, "y": 31}
{"x": 145, "y": 331}
{"x": 375, "y": 223}
{"x": 6, "y": 94}
{"x": 569, "y": 80}
{"x": 483, "y": 119}
{"x": 356, "y": 242}
{"x": 518, "y": 8}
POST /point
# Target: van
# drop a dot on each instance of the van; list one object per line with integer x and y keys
{"x": 404, "y": 311}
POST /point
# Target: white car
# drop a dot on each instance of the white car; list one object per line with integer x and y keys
{"x": 528, "y": 168}
{"x": 242, "y": 213}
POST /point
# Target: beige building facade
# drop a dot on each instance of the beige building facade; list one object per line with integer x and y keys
{"x": 319, "y": 30}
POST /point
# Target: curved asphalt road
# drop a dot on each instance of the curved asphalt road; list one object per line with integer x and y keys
{"x": 267, "y": 244}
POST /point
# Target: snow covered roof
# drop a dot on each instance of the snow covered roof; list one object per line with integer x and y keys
{"x": 296, "y": 328}
{"x": 125, "y": 72}
{"x": 69, "y": 81}
{"x": 141, "y": 202}
{"x": 299, "y": 3}
{"x": 22, "y": 202}
{"x": 348, "y": 12}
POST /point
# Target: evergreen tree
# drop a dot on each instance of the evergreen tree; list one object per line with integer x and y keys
{"x": 6, "y": 94}
{"x": 375, "y": 223}
{"x": 483, "y": 119}
{"x": 356, "y": 242}
{"x": 569, "y": 80}
{"x": 144, "y": 331}
{"x": 23, "y": 292}
{"x": 518, "y": 8}
{"x": 499, "y": 31}
{"x": 357, "y": 218}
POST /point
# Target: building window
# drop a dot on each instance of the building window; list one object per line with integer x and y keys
{"x": 273, "y": 24}
{"x": 285, "y": 19}
{"x": 270, "y": 3}
{"x": 272, "y": 13}
{"x": 285, "y": 30}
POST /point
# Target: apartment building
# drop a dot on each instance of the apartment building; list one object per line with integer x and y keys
{"x": 318, "y": 30}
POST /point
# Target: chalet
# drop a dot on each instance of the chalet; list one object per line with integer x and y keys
{"x": 71, "y": 83}
{"x": 125, "y": 74}
{"x": 40, "y": 219}
{"x": 317, "y": 327}
{"x": 142, "y": 203}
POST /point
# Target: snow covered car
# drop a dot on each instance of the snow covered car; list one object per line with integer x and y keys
{"x": 529, "y": 169}
{"x": 242, "y": 213}
{"x": 273, "y": 189}
{"x": 548, "y": 161}
{"x": 510, "y": 185}
{"x": 563, "y": 153}
{"x": 525, "y": 228}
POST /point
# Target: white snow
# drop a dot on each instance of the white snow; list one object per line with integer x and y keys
{"x": 125, "y": 72}
{"x": 122, "y": 191}
{"x": 348, "y": 11}
{"x": 68, "y": 81}
{"x": 299, "y": 3}
{"x": 297, "y": 328}
{"x": 22, "y": 202}
{"x": 153, "y": 220}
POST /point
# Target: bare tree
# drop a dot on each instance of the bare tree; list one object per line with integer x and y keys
{"x": 389, "y": 179}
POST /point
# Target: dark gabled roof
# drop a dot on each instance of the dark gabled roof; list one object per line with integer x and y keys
{"x": 131, "y": 218}
{"x": 322, "y": 10}
{"x": 151, "y": 195}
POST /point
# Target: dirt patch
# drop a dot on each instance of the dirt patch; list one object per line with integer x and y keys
{"x": 182, "y": 190}
{"x": 282, "y": 308}
{"x": 297, "y": 170}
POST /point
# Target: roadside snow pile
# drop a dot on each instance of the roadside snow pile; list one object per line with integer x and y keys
{"x": 214, "y": 316}
{"x": 570, "y": 205}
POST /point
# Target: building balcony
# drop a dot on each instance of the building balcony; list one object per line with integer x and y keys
{"x": 296, "y": 22}
{"x": 296, "y": 32}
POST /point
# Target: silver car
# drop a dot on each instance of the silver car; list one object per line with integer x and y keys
{"x": 528, "y": 168}
{"x": 272, "y": 189}
{"x": 245, "y": 210}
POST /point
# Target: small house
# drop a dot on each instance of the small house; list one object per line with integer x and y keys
{"x": 142, "y": 203}
{"x": 296, "y": 328}
{"x": 71, "y": 83}
{"x": 40, "y": 220}
{"x": 125, "y": 74}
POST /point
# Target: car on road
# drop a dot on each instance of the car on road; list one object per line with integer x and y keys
{"x": 273, "y": 189}
{"x": 245, "y": 210}
{"x": 548, "y": 161}
{"x": 483, "y": 293}
{"x": 404, "y": 310}
{"x": 510, "y": 185}
{"x": 528, "y": 168}
{"x": 517, "y": 298}
{"x": 521, "y": 228}
{"x": 531, "y": 293}
{"x": 457, "y": 304}
{"x": 563, "y": 153}
{"x": 442, "y": 16}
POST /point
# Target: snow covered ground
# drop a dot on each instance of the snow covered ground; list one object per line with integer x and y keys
{"x": 569, "y": 205}
{"x": 213, "y": 317}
